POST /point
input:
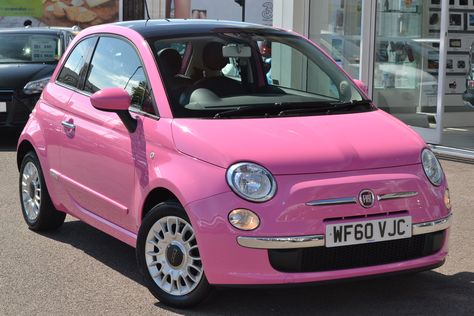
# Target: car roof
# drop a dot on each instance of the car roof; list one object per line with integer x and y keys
{"x": 179, "y": 27}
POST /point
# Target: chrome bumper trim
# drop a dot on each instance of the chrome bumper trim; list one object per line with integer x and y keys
{"x": 318, "y": 240}
{"x": 397, "y": 195}
{"x": 281, "y": 242}
{"x": 433, "y": 226}
{"x": 353, "y": 200}
{"x": 338, "y": 201}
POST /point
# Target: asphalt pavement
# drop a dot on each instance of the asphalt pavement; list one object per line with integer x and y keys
{"x": 79, "y": 270}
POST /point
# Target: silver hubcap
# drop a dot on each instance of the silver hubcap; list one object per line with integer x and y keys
{"x": 172, "y": 256}
{"x": 31, "y": 191}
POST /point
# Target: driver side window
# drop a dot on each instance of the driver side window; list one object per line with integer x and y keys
{"x": 116, "y": 64}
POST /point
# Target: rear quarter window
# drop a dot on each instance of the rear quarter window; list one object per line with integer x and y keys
{"x": 76, "y": 63}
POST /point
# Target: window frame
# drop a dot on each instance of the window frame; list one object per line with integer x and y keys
{"x": 81, "y": 72}
{"x": 85, "y": 73}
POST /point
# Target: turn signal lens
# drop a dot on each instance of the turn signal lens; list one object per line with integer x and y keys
{"x": 447, "y": 199}
{"x": 244, "y": 219}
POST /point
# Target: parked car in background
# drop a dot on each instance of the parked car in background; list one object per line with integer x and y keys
{"x": 28, "y": 57}
{"x": 230, "y": 179}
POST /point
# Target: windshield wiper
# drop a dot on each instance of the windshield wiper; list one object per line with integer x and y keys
{"x": 349, "y": 104}
{"x": 327, "y": 108}
{"x": 251, "y": 108}
{"x": 288, "y": 108}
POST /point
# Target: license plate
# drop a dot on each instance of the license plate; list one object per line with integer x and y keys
{"x": 3, "y": 107}
{"x": 354, "y": 233}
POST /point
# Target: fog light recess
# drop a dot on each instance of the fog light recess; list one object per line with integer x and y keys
{"x": 244, "y": 219}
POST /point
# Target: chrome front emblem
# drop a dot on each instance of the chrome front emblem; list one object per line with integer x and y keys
{"x": 366, "y": 198}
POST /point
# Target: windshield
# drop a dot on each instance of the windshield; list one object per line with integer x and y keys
{"x": 244, "y": 74}
{"x": 29, "y": 48}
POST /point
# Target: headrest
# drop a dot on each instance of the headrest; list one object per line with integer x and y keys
{"x": 212, "y": 56}
{"x": 170, "y": 61}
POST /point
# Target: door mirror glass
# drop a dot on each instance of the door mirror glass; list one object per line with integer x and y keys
{"x": 468, "y": 96}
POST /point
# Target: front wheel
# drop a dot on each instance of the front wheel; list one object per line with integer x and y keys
{"x": 168, "y": 257}
{"x": 38, "y": 210}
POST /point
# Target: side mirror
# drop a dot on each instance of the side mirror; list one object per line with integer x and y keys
{"x": 115, "y": 100}
{"x": 468, "y": 96}
{"x": 111, "y": 100}
{"x": 362, "y": 86}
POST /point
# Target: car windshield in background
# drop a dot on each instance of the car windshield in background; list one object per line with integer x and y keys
{"x": 29, "y": 48}
{"x": 244, "y": 74}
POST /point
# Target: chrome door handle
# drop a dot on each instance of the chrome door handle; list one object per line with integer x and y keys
{"x": 68, "y": 125}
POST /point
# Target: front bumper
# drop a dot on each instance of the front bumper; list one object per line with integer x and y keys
{"x": 16, "y": 108}
{"x": 289, "y": 223}
{"x": 289, "y": 242}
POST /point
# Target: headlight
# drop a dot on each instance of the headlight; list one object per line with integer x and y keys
{"x": 251, "y": 182}
{"x": 36, "y": 86}
{"x": 432, "y": 167}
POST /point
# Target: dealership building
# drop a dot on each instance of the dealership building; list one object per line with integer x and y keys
{"x": 413, "y": 55}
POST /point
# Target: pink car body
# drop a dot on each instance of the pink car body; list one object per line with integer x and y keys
{"x": 100, "y": 173}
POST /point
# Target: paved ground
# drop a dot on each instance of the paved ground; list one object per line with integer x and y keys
{"x": 80, "y": 271}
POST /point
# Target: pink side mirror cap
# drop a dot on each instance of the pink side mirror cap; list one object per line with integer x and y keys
{"x": 111, "y": 99}
{"x": 362, "y": 86}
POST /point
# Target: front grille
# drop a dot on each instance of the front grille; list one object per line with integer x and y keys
{"x": 355, "y": 256}
{"x": 6, "y": 95}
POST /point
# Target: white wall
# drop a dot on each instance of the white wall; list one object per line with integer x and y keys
{"x": 157, "y": 8}
{"x": 222, "y": 9}
{"x": 256, "y": 11}
{"x": 259, "y": 11}
{"x": 291, "y": 15}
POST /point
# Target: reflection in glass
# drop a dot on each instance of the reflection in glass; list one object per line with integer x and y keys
{"x": 407, "y": 61}
{"x": 336, "y": 27}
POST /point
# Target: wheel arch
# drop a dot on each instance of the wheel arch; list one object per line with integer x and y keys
{"x": 156, "y": 196}
{"x": 24, "y": 148}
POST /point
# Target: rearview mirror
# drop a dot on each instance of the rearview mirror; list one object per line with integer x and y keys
{"x": 237, "y": 51}
{"x": 115, "y": 100}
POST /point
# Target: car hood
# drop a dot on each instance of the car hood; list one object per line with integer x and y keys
{"x": 13, "y": 76}
{"x": 298, "y": 145}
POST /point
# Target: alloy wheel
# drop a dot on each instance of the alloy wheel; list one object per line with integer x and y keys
{"x": 172, "y": 256}
{"x": 31, "y": 191}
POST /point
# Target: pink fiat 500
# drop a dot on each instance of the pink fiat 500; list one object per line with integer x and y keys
{"x": 229, "y": 153}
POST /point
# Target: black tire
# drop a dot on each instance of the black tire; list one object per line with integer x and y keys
{"x": 201, "y": 289}
{"x": 47, "y": 217}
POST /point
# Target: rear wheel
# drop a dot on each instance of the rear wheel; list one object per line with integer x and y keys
{"x": 168, "y": 257}
{"x": 37, "y": 208}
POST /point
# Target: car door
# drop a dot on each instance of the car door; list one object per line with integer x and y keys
{"x": 98, "y": 157}
{"x": 50, "y": 111}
